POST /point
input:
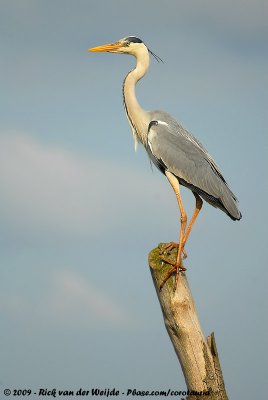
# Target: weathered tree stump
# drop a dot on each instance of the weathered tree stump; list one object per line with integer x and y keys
{"x": 197, "y": 355}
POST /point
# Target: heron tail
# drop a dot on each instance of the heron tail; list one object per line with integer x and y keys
{"x": 229, "y": 203}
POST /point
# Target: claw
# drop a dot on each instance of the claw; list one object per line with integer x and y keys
{"x": 175, "y": 269}
{"x": 168, "y": 275}
{"x": 170, "y": 246}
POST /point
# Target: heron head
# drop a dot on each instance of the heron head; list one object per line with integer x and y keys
{"x": 128, "y": 45}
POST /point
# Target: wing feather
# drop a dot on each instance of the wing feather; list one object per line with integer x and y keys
{"x": 172, "y": 148}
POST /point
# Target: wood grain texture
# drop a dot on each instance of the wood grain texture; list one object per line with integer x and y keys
{"x": 197, "y": 355}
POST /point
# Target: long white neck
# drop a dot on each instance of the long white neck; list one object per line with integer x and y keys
{"x": 137, "y": 117}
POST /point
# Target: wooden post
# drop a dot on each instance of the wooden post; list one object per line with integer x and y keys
{"x": 198, "y": 356}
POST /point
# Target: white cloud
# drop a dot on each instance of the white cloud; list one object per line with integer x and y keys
{"x": 48, "y": 189}
{"x": 69, "y": 300}
{"x": 76, "y": 298}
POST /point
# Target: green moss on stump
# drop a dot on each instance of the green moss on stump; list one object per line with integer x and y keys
{"x": 159, "y": 267}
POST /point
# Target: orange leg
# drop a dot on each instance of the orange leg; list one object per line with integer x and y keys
{"x": 198, "y": 206}
{"x": 176, "y": 187}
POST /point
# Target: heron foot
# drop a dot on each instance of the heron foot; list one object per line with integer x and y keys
{"x": 175, "y": 269}
{"x": 172, "y": 245}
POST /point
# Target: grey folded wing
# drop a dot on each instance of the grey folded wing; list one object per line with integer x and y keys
{"x": 172, "y": 148}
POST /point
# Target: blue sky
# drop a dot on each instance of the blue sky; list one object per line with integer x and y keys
{"x": 80, "y": 210}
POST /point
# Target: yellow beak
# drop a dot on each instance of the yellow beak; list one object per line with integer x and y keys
{"x": 106, "y": 47}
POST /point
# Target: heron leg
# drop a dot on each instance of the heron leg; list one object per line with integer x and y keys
{"x": 171, "y": 272}
{"x": 176, "y": 187}
{"x": 198, "y": 206}
{"x": 171, "y": 245}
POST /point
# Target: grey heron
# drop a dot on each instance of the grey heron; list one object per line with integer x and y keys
{"x": 173, "y": 150}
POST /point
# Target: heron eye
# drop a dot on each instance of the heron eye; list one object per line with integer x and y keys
{"x": 126, "y": 44}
